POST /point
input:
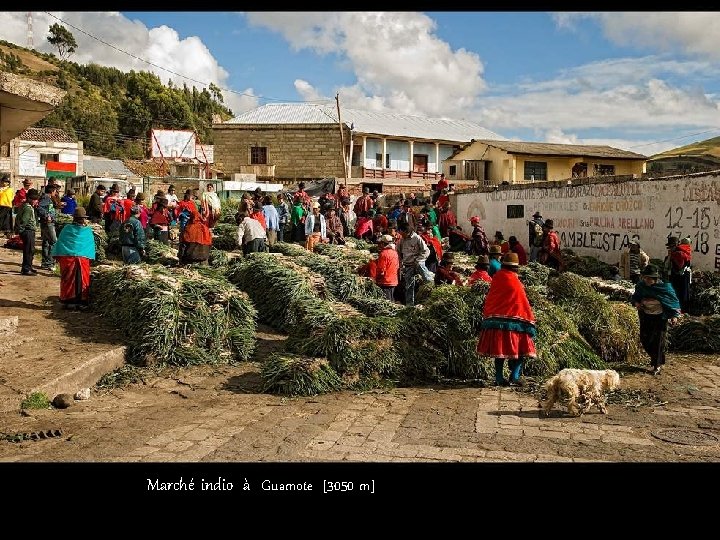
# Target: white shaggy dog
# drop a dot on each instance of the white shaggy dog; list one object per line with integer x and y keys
{"x": 582, "y": 387}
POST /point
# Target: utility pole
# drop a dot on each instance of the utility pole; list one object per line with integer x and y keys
{"x": 342, "y": 139}
{"x": 29, "y": 31}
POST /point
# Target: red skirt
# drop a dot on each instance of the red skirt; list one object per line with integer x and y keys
{"x": 505, "y": 344}
{"x": 74, "y": 279}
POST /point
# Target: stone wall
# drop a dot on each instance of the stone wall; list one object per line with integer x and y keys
{"x": 600, "y": 218}
{"x": 297, "y": 151}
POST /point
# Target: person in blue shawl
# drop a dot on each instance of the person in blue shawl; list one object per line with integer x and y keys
{"x": 657, "y": 304}
{"x": 74, "y": 249}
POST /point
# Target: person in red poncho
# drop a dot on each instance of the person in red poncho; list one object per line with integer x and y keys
{"x": 508, "y": 326}
{"x": 481, "y": 270}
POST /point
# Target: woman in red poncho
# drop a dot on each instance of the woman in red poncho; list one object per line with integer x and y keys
{"x": 196, "y": 239}
{"x": 508, "y": 326}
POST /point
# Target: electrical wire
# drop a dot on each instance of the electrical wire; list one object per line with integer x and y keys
{"x": 205, "y": 84}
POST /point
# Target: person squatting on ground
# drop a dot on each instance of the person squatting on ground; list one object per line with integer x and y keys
{"x": 74, "y": 249}
{"x": 657, "y": 304}
{"x": 508, "y": 326}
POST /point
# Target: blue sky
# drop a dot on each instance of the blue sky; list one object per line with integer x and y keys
{"x": 642, "y": 81}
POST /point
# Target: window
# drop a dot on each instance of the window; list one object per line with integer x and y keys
{"x": 44, "y": 158}
{"x": 372, "y": 187}
{"x": 604, "y": 170}
{"x": 515, "y": 211}
{"x": 258, "y": 155}
{"x": 535, "y": 170}
{"x": 378, "y": 161}
{"x": 452, "y": 171}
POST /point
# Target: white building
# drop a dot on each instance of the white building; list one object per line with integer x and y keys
{"x": 36, "y": 152}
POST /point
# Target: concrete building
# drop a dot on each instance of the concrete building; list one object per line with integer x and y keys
{"x": 23, "y": 102}
{"x": 489, "y": 162}
{"x": 42, "y": 153}
{"x": 302, "y": 141}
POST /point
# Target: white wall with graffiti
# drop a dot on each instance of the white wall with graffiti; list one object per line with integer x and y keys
{"x": 600, "y": 219}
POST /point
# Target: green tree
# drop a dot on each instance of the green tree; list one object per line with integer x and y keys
{"x": 63, "y": 39}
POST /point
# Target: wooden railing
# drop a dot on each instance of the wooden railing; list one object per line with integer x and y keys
{"x": 389, "y": 173}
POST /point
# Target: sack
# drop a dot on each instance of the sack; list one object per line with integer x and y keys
{"x": 14, "y": 242}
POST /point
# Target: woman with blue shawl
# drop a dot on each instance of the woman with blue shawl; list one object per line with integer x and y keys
{"x": 657, "y": 304}
{"x": 74, "y": 249}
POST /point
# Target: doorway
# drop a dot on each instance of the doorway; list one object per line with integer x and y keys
{"x": 420, "y": 163}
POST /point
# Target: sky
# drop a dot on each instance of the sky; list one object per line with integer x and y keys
{"x": 641, "y": 81}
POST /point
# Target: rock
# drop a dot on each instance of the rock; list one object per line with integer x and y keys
{"x": 83, "y": 394}
{"x": 62, "y": 401}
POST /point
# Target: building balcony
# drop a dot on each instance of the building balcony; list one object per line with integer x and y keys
{"x": 364, "y": 172}
{"x": 258, "y": 170}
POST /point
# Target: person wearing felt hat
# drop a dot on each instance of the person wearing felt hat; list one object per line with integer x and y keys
{"x": 445, "y": 273}
{"x": 95, "y": 206}
{"x": 481, "y": 270}
{"x": 550, "y": 254}
{"x": 73, "y": 251}
{"x": 315, "y": 227}
{"x": 26, "y": 224}
{"x": 21, "y": 194}
{"x": 508, "y": 326}
{"x": 495, "y": 255}
{"x": 657, "y": 304}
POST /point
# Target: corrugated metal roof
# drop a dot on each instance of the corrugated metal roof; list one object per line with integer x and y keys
{"x": 551, "y": 149}
{"x": 370, "y": 122}
{"x": 45, "y": 135}
{"x": 99, "y": 166}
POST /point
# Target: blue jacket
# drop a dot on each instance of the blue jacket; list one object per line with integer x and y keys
{"x": 272, "y": 220}
{"x": 70, "y": 205}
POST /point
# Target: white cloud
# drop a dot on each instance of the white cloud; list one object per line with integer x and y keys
{"x": 399, "y": 62}
{"x": 308, "y": 92}
{"x": 665, "y": 31}
{"x": 161, "y": 46}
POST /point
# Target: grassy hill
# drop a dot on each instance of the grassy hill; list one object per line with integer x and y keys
{"x": 709, "y": 147}
{"x": 111, "y": 111}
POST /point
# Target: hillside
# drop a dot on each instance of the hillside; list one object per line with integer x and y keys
{"x": 708, "y": 147}
{"x": 112, "y": 111}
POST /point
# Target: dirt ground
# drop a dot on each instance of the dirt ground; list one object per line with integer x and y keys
{"x": 218, "y": 413}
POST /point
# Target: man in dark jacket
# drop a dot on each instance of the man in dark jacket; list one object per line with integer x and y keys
{"x": 48, "y": 234}
{"x": 26, "y": 226}
{"x": 95, "y": 208}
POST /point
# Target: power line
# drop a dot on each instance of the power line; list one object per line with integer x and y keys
{"x": 676, "y": 138}
{"x": 205, "y": 84}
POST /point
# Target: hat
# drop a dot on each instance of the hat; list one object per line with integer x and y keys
{"x": 495, "y": 250}
{"x": 33, "y": 194}
{"x": 448, "y": 256}
{"x": 79, "y": 213}
{"x": 101, "y": 187}
{"x": 686, "y": 241}
{"x": 650, "y": 271}
{"x": 387, "y": 238}
{"x": 634, "y": 243}
{"x": 135, "y": 209}
{"x": 316, "y": 205}
{"x": 475, "y": 219}
{"x": 27, "y": 182}
{"x": 510, "y": 259}
{"x": 70, "y": 192}
{"x": 672, "y": 241}
{"x": 140, "y": 196}
{"x": 498, "y": 234}
{"x": 537, "y": 214}
{"x": 5, "y": 178}
{"x": 549, "y": 223}
{"x": 483, "y": 259}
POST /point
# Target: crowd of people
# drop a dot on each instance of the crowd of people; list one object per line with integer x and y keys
{"x": 416, "y": 242}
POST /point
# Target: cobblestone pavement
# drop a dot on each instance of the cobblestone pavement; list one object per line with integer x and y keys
{"x": 216, "y": 415}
